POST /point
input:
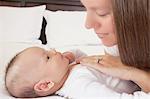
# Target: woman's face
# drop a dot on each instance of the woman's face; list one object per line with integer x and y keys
{"x": 100, "y": 18}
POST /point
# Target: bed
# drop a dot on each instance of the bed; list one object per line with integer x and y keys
{"x": 48, "y": 24}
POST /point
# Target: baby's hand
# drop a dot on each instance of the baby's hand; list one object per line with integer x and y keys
{"x": 70, "y": 56}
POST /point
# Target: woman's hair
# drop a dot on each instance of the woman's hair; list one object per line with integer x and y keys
{"x": 132, "y": 29}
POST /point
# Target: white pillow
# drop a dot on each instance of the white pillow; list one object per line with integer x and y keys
{"x": 65, "y": 28}
{"x": 20, "y": 24}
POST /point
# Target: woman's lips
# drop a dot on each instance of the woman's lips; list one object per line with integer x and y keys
{"x": 102, "y": 35}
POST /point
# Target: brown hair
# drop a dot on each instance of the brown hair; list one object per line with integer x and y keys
{"x": 133, "y": 35}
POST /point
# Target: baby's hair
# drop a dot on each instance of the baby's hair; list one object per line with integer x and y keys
{"x": 26, "y": 91}
{"x": 8, "y": 67}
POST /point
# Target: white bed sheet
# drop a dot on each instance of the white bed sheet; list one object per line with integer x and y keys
{"x": 89, "y": 50}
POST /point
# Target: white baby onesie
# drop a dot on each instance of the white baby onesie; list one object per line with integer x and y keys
{"x": 87, "y": 82}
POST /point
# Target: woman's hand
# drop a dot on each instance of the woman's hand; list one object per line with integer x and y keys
{"x": 109, "y": 64}
{"x": 113, "y": 66}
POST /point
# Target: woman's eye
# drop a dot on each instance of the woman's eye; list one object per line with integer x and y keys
{"x": 102, "y": 14}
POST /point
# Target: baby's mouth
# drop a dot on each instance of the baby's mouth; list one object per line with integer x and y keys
{"x": 70, "y": 58}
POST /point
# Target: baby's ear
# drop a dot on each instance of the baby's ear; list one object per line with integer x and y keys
{"x": 43, "y": 86}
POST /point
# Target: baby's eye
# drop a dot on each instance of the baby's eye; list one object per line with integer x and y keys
{"x": 48, "y": 57}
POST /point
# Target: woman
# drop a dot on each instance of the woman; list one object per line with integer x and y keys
{"x": 124, "y": 23}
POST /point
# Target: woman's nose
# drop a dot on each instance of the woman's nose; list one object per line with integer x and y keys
{"x": 89, "y": 23}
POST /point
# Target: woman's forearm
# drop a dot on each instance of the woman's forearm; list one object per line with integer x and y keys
{"x": 141, "y": 78}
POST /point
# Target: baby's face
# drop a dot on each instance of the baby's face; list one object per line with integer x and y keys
{"x": 41, "y": 63}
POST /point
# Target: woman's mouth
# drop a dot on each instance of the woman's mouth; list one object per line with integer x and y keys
{"x": 102, "y": 35}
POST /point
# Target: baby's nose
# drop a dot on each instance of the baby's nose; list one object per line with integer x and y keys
{"x": 52, "y": 52}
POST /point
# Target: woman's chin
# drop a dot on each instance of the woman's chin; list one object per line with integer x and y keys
{"x": 109, "y": 44}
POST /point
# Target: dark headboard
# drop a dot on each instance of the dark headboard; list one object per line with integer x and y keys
{"x": 53, "y": 5}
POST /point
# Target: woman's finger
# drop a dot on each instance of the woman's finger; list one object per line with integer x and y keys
{"x": 93, "y": 61}
{"x": 96, "y": 56}
{"x": 90, "y": 58}
{"x": 93, "y": 65}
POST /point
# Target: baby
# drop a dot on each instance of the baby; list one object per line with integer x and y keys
{"x": 37, "y": 72}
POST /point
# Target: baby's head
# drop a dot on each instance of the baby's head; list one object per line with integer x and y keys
{"x": 36, "y": 72}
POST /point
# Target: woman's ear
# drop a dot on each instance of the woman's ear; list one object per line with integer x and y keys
{"x": 43, "y": 86}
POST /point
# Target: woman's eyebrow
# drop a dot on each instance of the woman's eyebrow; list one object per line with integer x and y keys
{"x": 104, "y": 9}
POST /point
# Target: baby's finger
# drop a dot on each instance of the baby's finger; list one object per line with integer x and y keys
{"x": 79, "y": 59}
